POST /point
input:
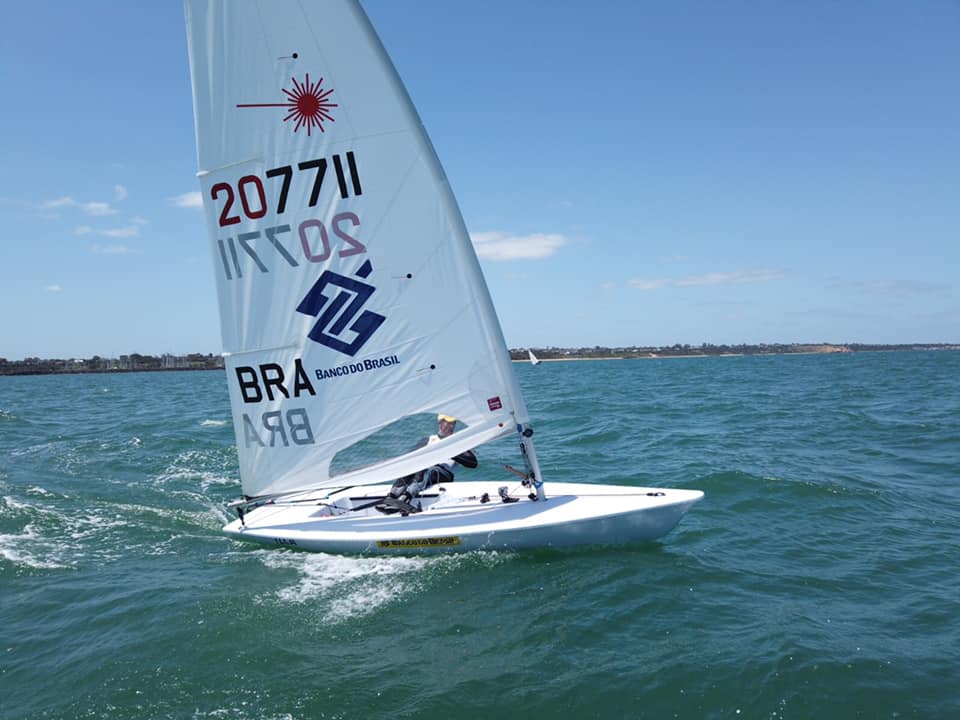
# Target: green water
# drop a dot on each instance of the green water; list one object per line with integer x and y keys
{"x": 817, "y": 579}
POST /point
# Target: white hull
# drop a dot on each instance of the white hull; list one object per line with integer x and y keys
{"x": 455, "y": 519}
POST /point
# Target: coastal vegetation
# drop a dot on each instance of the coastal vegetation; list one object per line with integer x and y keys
{"x": 136, "y": 362}
{"x": 96, "y": 364}
{"x": 705, "y": 349}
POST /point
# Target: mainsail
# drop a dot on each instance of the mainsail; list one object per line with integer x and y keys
{"x": 350, "y": 295}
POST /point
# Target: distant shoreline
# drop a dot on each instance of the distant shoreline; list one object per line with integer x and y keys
{"x": 165, "y": 363}
{"x": 674, "y": 352}
{"x": 135, "y": 362}
{"x": 113, "y": 371}
{"x": 693, "y": 355}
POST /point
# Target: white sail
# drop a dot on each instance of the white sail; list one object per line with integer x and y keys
{"x": 534, "y": 360}
{"x": 349, "y": 292}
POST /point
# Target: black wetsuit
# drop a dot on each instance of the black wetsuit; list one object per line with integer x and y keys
{"x": 413, "y": 485}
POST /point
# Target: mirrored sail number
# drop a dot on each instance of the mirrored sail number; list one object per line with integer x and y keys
{"x": 253, "y": 197}
{"x": 315, "y": 244}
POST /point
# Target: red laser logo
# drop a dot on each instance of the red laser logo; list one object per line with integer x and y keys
{"x": 308, "y": 104}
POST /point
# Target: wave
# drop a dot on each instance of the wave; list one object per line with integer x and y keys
{"x": 50, "y": 531}
{"x": 214, "y": 423}
{"x": 29, "y": 549}
{"x": 47, "y": 537}
{"x": 342, "y": 588}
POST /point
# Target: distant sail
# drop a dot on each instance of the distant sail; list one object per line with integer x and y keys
{"x": 533, "y": 358}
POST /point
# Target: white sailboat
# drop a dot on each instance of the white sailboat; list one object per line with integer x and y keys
{"x": 534, "y": 360}
{"x": 352, "y": 306}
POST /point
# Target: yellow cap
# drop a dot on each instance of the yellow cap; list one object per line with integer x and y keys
{"x": 446, "y": 418}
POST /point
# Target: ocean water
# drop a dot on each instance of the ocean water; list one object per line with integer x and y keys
{"x": 819, "y": 577}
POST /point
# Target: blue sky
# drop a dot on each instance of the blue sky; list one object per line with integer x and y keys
{"x": 632, "y": 173}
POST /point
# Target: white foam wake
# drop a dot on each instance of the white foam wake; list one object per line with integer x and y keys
{"x": 345, "y": 588}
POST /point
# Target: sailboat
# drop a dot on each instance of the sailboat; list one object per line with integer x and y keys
{"x": 353, "y": 309}
{"x": 534, "y": 360}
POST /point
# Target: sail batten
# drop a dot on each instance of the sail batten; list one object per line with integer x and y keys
{"x": 350, "y": 295}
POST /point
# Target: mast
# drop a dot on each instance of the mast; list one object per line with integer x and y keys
{"x": 530, "y": 461}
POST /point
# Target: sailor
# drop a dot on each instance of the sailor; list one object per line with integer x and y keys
{"x": 409, "y": 487}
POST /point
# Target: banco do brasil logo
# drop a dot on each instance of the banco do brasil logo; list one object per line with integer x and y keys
{"x": 337, "y": 302}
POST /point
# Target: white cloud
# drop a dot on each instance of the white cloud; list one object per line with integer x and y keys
{"x": 503, "y": 246}
{"x": 739, "y": 276}
{"x": 121, "y": 232}
{"x": 127, "y": 231}
{"x": 111, "y": 249}
{"x": 65, "y": 201}
{"x": 654, "y": 284}
{"x": 140, "y": 220}
{"x": 97, "y": 209}
{"x": 119, "y": 193}
{"x": 714, "y": 278}
{"x": 895, "y": 288}
{"x": 188, "y": 200}
{"x": 53, "y": 288}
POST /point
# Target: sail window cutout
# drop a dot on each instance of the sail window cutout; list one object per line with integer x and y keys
{"x": 398, "y": 438}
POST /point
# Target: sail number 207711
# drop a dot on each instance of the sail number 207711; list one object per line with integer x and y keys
{"x": 315, "y": 245}
{"x": 248, "y": 196}
{"x": 253, "y": 198}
